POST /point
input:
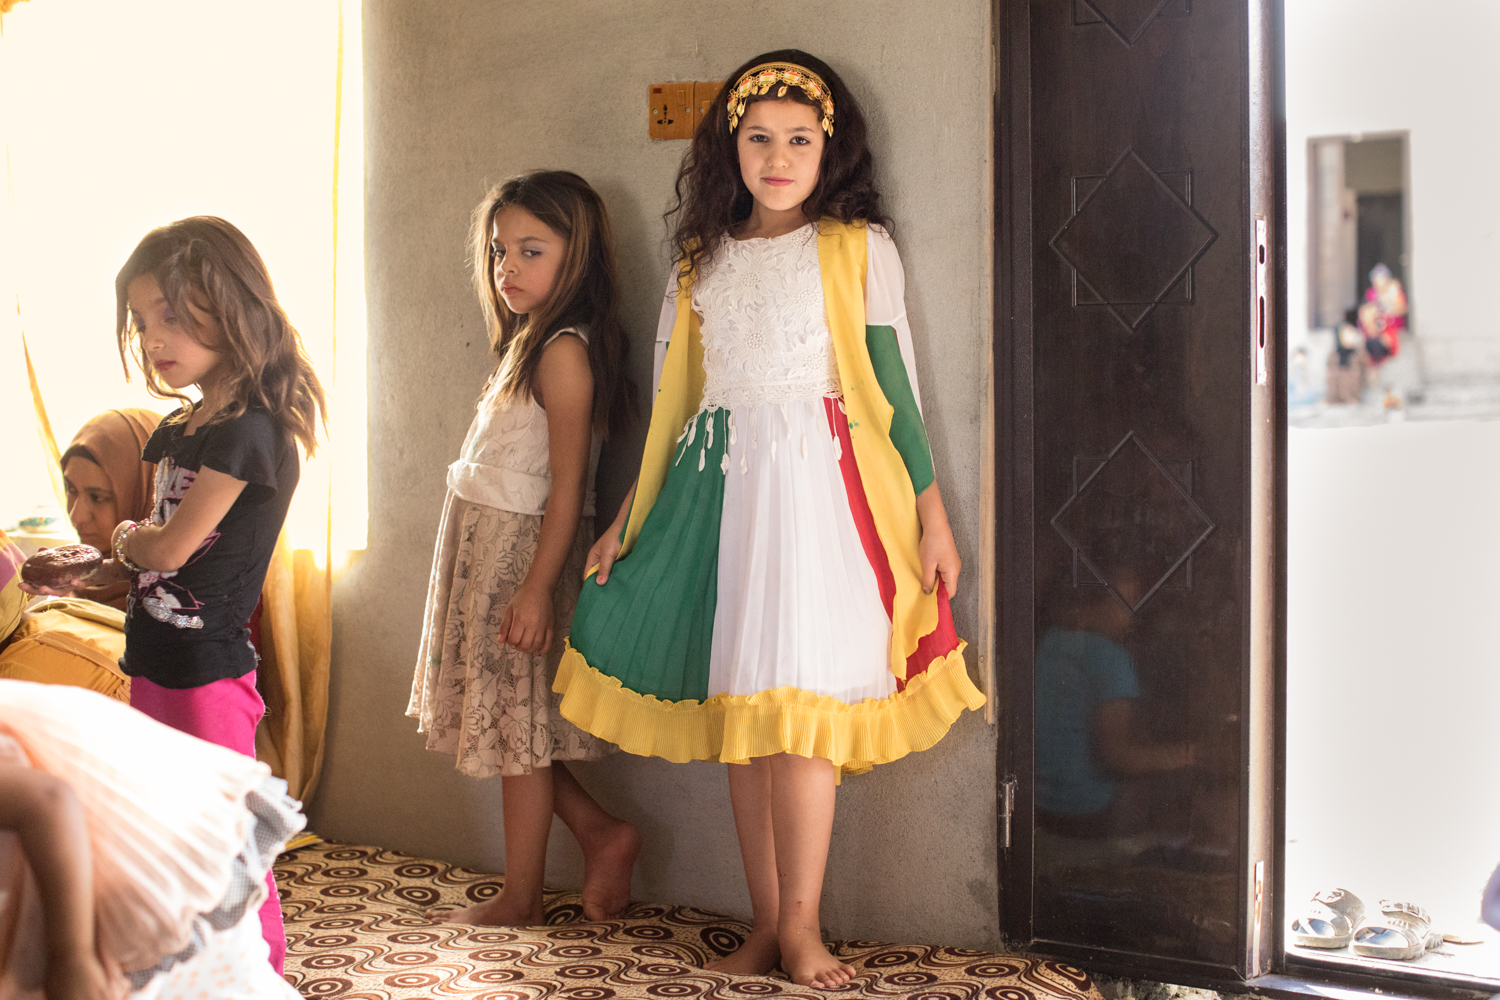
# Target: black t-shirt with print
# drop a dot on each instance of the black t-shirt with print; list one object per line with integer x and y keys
{"x": 187, "y": 628}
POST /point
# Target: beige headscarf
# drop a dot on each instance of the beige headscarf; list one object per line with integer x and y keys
{"x": 113, "y": 440}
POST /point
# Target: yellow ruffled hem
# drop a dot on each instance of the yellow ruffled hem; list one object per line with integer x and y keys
{"x": 735, "y": 728}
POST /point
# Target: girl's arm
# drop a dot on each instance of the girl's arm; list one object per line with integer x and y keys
{"x": 888, "y": 338}
{"x": 565, "y": 389}
{"x": 167, "y": 547}
{"x": 46, "y": 815}
{"x": 937, "y": 550}
{"x": 607, "y": 548}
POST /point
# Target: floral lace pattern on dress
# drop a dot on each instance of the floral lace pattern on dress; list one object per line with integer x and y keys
{"x": 488, "y": 704}
{"x": 765, "y": 327}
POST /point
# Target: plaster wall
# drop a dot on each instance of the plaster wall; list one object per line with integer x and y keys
{"x": 464, "y": 92}
{"x": 1372, "y": 66}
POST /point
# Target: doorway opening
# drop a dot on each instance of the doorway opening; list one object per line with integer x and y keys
{"x": 1393, "y": 395}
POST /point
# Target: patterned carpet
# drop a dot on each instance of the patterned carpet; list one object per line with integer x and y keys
{"x": 355, "y": 930}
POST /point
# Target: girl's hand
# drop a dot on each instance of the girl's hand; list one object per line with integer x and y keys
{"x": 603, "y": 555}
{"x": 49, "y": 591}
{"x": 939, "y": 555}
{"x": 607, "y": 549}
{"x": 937, "y": 551}
{"x": 527, "y": 624}
{"x": 83, "y": 977}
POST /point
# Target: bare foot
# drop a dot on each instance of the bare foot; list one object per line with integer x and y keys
{"x": 808, "y": 963}
{"x": 501, "y": 911}
{"x": 756, "y": 957}
{"x": 608, "y": 862}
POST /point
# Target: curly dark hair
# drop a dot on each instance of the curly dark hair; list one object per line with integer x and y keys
{"x": 711, "y": 198}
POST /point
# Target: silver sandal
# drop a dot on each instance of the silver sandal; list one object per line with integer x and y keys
{"x": 1402, "y": 932}
{"x": 1329, "y": 920}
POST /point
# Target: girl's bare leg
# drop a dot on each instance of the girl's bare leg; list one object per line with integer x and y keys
{"x": 528, "y": 820}
{"x": 610, "y": 846}
{"x": 802, "y": 801}
{"x": 750, "y": 794}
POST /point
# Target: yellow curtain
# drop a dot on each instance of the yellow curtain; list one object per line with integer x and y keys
{"x": 296, "y": 602}
{"x": 44, "y": 430}
{"x": 296, "y": 628}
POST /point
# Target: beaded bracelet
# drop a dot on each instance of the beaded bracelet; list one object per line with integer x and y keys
{"x": 122, "y": 534}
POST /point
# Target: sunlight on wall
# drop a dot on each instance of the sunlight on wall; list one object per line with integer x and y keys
{"x": 138, "y": 114}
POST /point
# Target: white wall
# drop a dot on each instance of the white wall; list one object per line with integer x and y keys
{"x": 464, "y": 92}
{"x": 1430, "y": 68}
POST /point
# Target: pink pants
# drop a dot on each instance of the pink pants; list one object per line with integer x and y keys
{"x": 225, "y": 712}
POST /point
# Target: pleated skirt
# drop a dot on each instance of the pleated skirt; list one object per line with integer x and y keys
{"x": 750, "y": 617}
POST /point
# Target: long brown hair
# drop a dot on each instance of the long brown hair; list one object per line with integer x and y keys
{"x": 585, "y": 294}
{"x": 206, "y": 262}
{"x": 711, "y": 197}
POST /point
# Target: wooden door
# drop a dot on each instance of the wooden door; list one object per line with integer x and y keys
{"x": 1139, "y": 262}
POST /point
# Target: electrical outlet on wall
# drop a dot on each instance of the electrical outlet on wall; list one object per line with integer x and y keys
{"x": 672, "y": 110}
{"x": 677, "y": 108}
{"x": 704, "y": 92}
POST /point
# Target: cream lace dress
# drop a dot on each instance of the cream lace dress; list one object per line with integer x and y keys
{"x": 488, "y": 704}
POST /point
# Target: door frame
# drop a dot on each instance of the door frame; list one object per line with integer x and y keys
{"x": 1263, "y": 797}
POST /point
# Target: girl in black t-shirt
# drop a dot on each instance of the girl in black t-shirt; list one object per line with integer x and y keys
{"x": 195, "y": 306}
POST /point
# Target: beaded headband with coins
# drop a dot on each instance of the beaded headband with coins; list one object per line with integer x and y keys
{"x": 762, "y": 78}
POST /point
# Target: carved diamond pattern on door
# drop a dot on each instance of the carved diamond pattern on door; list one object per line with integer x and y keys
{"x": 1181, "y": 181}
{"x": 1132, "y": 523}
{"x": 1084, "y": 467}
{"x": 1132, "y": 239}
{"x": 1128, "y": 19}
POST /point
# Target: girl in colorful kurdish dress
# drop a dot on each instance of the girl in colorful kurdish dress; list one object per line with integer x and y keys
{"x": 516, "y": 524}
{"x": 195, "y": 305}
{"x": 780, "y": 599}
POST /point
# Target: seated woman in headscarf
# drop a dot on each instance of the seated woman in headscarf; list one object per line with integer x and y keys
{"x": 108, "y": 483}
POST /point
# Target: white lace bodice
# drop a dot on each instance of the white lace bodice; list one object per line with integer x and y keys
{"x": 505, "y": 461}
{"x": 765, "y": 328}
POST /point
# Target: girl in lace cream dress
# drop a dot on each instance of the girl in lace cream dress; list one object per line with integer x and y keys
{"x": 774, "y": 594}
{"x": 516, "y": 524}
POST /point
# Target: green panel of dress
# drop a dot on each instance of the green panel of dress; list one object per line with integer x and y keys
{"x": 651, "y": 625}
